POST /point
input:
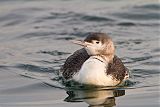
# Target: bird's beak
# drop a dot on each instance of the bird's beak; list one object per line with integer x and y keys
{"x": 80, "y": 42}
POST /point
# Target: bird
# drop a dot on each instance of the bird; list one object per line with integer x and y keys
{"x": 95, "y": 63}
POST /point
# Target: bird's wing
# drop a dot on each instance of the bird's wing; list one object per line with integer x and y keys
{"x": 117, "y": 69}
{"x": 74, "y": 63}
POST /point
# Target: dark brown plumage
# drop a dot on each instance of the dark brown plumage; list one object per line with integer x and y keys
{"x": 73, "y": 63}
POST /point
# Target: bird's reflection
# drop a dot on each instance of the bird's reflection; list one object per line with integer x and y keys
{"x": 95, "y": 98}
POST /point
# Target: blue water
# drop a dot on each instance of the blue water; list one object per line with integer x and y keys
{"x": 35, "y": 41}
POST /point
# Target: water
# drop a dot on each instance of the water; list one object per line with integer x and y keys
{"x": 34, "y": 40}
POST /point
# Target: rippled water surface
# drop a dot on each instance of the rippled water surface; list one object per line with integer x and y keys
{"x": 35, "y": 40}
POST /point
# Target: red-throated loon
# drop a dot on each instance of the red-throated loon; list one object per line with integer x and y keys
{"x": 96, "y": 63}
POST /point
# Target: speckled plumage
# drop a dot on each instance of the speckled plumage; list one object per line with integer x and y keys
{"x": 74, "y": 62}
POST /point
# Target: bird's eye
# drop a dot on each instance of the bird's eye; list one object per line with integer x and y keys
{"x": 97, "y": 42}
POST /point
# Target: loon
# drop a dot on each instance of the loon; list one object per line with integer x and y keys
{"x": 95, "y": 63}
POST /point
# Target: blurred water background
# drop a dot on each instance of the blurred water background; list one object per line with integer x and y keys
{"x": 34, "y": 38}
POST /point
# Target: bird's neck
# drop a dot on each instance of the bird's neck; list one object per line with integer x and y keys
{"x": 105, "y": 58}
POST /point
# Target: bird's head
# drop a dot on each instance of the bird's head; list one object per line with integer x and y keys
{"x": 97, "y": 44}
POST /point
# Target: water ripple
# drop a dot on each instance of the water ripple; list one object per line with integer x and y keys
{"x": 95, "y": 18}
{"x": 76, "y": 16}
{"x": 36, "y": 34}
{"x": 12, "y": 16}
{"x": 127, "y": 24}
{"x": 149, "y": 6}
{"x": 145, "y": 72}
{"x": 140, "y": 13}
{"x": 54, "y": 53}
{"x": 139, "y": 16}
{"x": 35, "y": 68}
